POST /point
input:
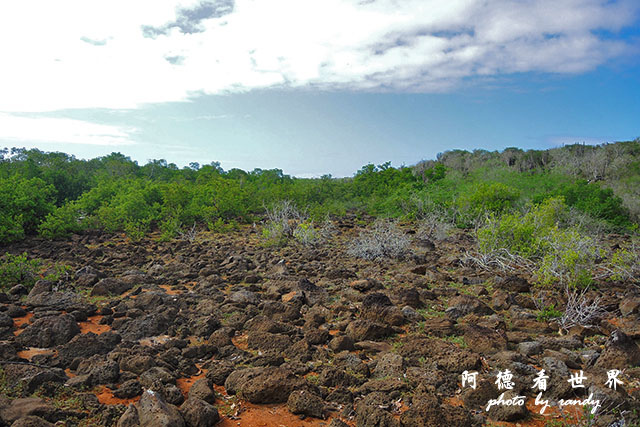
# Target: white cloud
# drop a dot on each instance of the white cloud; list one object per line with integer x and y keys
{"x": 19, "y": 129}
{"x": 94, "y": 54}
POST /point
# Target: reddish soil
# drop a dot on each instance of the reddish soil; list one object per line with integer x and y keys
{"x": 29, "y": 353}
{"x": 184, "y": 384}
{"x": 106, "y": 397}
{"x": 92, "y": 324}
{"x": 20, "y": 322}
{"x": 270, "y": 416}
{"x": 240, "y": 341}
{"x": 288, "y": 296}
{"x": 168, "y": 289}
{"x": 245, "y": 414}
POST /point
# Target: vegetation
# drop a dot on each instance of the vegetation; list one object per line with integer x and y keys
{"x": 18, "y": 270}
{"x": 383, "y": 240}
{"x": 54, "y": 194}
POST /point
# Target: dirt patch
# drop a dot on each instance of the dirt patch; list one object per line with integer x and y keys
{"x": 32, "y": 351}
{"x": 21, "y": 322}
{"x": 169, "y": 290}
{"x": 241, "y": 341}
{"x": 184, "y": 384}
{"x": 251, "y": 415}
{"x": 106, "y": 397}
{"x": 92, "y": 324}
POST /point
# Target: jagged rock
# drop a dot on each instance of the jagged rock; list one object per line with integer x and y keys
{"x": 198, "y": 413}
{"x": 620, "y": 352}
{"x": 154, "y": 411}
{"x": 306, "y": 403}
{"x": 263, "y": 385}
{"x": 49, "y": 331}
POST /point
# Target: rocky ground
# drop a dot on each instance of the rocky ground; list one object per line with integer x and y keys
{"x": 225, "y": 331}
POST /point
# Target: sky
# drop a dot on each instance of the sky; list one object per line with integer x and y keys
{"x": 316, "y": 87}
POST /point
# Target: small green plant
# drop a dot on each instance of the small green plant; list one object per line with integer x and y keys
{"x": 60, "y": 272}
{"x": 548, "y": 313}
{"x": 306, "y": 234}
{"x": 18, "y": 269}
{"x": 283, "y": 219}
{"x": 136, "y": 229}
{"x": 313, "y": 378}
{"x": 455, "y": 339}
{"x": 169, "y": 228}
{"x": 220, "y": 226}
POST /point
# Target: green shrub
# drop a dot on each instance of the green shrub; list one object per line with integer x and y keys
{"x": 521, "y": 234}
{"x": 569, "y": 258}
{"x": 306, "y": 234}
{"x": 18, "y": 269}
{"x": 562, "y": 256}
{"x": 222, "y": 226}
{"x": 136, "y": 229}
{"x": 598, "y": 202}
{"x": 435, "y": 173}
{"x": 62, "y": 222}
{"x": 11, "y": 227}
{"x": 58, "y": 272}
{"x": 169, "y": 228}
{"x": 24, "y": 203}
{"x": 494, "y": 198}
{"x": 624, "y": 264}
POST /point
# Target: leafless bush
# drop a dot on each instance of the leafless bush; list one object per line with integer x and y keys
{"x": 435, "y": 227}
{"x": 580, "y": 310}
{"x": 286, "y": 222}
{"x": 383, "y": 240}
{"x": 327, "y": 229}
{"x": 282, "y": 219}
{"x": 189, "y": 234}
{"x": 500, "y": 259}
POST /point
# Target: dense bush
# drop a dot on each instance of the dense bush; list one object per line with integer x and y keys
{"x": 522, "y": 235}
{"x": 23, "y": 204}
{"x": 598, "y": 202}
{"x": 55, "y": 194}
{"x": 486, "y": 198}
{"x": 561, "y": 255}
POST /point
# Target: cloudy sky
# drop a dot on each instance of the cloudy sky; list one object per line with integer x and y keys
{"x": 315, "y": 86}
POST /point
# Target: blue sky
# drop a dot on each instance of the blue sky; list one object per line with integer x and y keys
{"x": 316, "y": 87}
